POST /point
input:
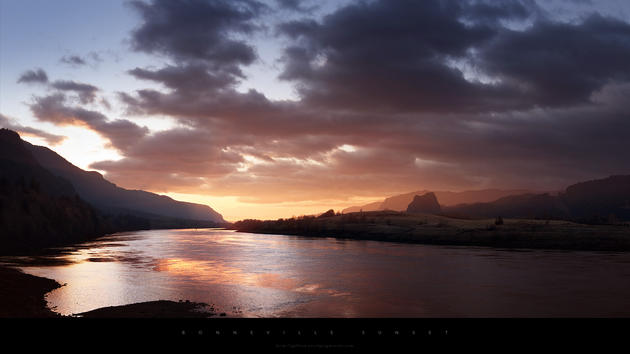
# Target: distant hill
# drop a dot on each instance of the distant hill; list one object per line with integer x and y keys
{"x": 424, "y": 204}
{"x": 527, "y": 206}
{"x": 445, "y": 198}
{"x": 108, "y": 197}
{"x": 367, "y": 207}
{"x": 598, "y": 201}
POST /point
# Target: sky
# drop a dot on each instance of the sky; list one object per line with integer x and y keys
{"x": 279, "y": 108}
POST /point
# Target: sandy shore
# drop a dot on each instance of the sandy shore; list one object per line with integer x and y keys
{"x": 22, "y": 296}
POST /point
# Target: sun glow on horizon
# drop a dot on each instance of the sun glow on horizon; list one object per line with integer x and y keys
{"x": 233, "y": 210}
{"x": 82, "y": 147}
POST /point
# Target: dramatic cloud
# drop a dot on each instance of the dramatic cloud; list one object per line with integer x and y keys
{"x": 560, "y": 63}
{"x": 393, "y": 96}
{"x": 297, "y": 5}
{"x": 188, "y": 79}
{"x": 86, "y": 92}
{"x": 122, "y": 133}
{"x": 34, "y": 76}
{"x": 196, "y": 31}
{"x": 191, "y": 157}
{"x": 493, "y": 12}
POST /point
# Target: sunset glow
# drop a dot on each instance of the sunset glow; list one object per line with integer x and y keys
{"x": 281, "y": 108}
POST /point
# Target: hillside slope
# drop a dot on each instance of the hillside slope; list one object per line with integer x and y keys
{"x": 108, "y": 197}
{"x": 445, "y": 198}
{"x": 37, "y": 208}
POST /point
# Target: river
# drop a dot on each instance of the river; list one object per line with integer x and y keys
{"x": 255, "y": 275}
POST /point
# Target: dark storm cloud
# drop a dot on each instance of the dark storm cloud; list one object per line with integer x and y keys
{"x": 429, "y": 94}
{"x": 297, "y": 28}
{"x": 297, "y": 5}
{"x": 561, "y": 63}
{"x": 491, "y": 12}
{"x": 33, "y": 76}
{"x": 86, "y": 92}
{"x": 196, "y": 30}
{"x": 187, "y": 78}
{"x": 252, "y": 117}
{"x": 389, "y": 55}
{"x": 122, "y": 133}
{"x": 395, "y": 55}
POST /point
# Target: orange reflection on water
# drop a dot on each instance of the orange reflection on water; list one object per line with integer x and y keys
{"x": 220, "y": 273}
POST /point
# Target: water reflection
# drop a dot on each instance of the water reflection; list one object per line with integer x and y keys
{"x": 274, "y": 275}
{"x": 220, "y": 273}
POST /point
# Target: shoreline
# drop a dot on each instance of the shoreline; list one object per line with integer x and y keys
{"x": 500, "y": 242}
{"x": 446, "y": 231}
{"x": 155, "y": 309}
{"x": 22, "y": 295}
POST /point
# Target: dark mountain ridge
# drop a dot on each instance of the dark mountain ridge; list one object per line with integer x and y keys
{"x": 527, "y": 206}
{"x": 110, "y": 198}
{"x": 599, "y": 199}
{"x": 37, "y": 208}
{"x": 41, "y": 208}
{"x": 446, "y": 198}
{"x": 596, "y": 201}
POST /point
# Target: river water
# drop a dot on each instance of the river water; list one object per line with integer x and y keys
{"x": 254, "y": 275}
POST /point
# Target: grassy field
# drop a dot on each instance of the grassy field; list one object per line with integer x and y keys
{"x": 432, "y": 229}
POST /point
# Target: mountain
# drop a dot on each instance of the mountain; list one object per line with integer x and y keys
{"x": 599, "y": 199}
{"x": 604, "y": 200}
{"x": 19, "y": 163}
{"x": 46, "y": 201}
{"x": 368, "y": 207}
{"x": 529, "y": 206}
{"x": 37, "y": 208}
{"x": 445, "y": 198}
{"x": 400, "y": 202}
{"x": 424, "y": 204}
{"x": 108, "y": 197}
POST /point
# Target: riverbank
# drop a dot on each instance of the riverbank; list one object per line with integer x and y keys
{"x": 440, "y": 230}
{"x": 155, "y": 309}
{"x": 23, "y": 296}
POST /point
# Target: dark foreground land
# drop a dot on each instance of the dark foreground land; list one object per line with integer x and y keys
{"x": 440, "y": 230}
{"x": 154, "y": 309}
{"x": 22, "y": 296}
